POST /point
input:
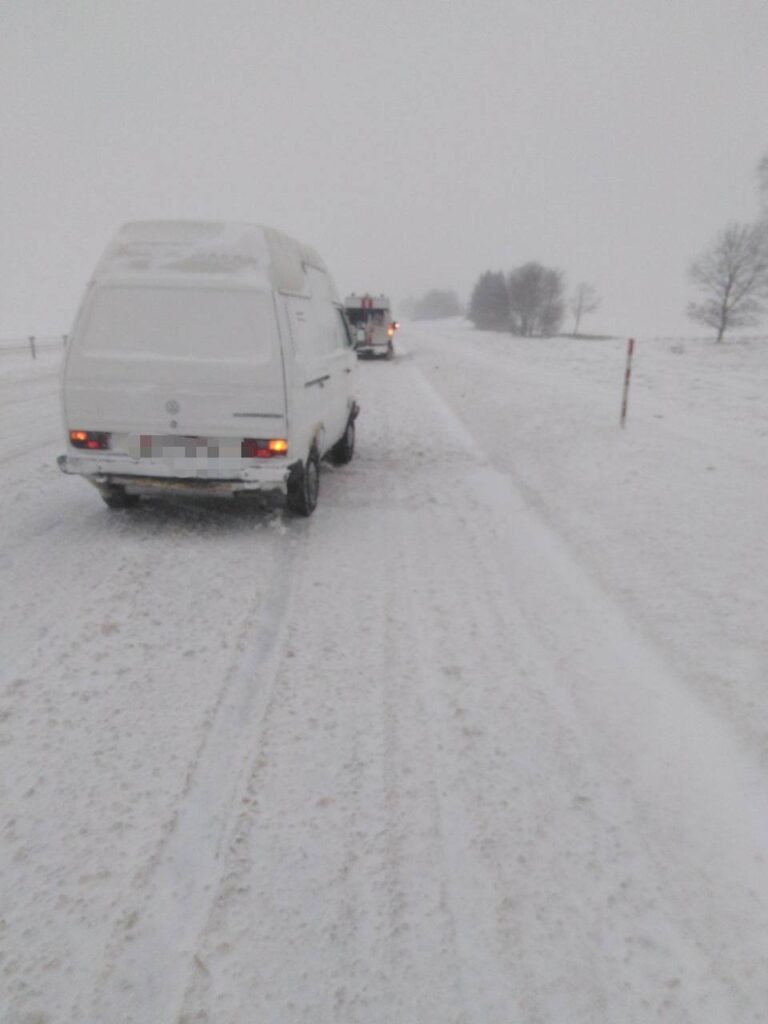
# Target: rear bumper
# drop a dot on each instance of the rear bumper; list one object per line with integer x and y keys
{"x": 374, "y": 349}
{"x": 193, "y": 476}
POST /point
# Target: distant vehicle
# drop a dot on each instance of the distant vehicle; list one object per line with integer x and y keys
{"x": 208, "y": 358}
{"x": 372, "y": 325}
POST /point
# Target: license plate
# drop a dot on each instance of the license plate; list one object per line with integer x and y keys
{"x": 170, "y": 446}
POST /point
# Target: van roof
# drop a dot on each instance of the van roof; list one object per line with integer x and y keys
{"x": 208, "y": 252}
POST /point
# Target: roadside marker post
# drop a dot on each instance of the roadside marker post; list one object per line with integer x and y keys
{"x": 627, "y": 377}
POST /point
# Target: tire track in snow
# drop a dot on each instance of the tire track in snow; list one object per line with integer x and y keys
{"x": 491, "y": 763}
{"x": 453, "y": 639}
{"x": 148, "y": 958}
{"x": 333, "y": 906}
{"x": 257, "y": 919}
{"x": 629, "y": 734}
{"x": 420, "y": 855}
{"x": 423, "y": 946}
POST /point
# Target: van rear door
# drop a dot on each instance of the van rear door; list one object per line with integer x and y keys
{"x": 196, "y": 361}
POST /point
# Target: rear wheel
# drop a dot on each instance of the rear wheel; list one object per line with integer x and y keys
{"x": 117, "y": 497}
{"x": 304, "y": 487}
{"x": 344, "y": 449}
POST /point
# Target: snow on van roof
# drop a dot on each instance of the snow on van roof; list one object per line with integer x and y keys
{"x": 252, "y": 254}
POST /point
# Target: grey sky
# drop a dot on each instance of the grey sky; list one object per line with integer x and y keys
{"x": 415, "y": 143}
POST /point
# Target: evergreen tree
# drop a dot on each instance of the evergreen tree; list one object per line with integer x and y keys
{"x": 489, "y": 305}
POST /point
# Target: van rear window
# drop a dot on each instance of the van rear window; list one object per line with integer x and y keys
{"x": 182, "y": 323}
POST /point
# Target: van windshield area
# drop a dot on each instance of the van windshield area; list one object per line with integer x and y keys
{"x": 181, "y": 323}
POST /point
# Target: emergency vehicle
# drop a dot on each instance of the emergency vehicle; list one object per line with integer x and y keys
{"x": 373, "y": 328}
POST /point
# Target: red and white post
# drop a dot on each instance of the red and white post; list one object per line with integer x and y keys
{"x": 627, "y": 377}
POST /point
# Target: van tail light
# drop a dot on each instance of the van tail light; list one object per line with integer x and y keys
{"x": 251, "y": 448}
{"x": 96, "y": 440}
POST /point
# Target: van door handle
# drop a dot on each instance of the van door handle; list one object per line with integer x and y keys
{"x": 318, "y": 380}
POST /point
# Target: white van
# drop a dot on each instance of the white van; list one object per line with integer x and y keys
{"x": 208, "y": 358}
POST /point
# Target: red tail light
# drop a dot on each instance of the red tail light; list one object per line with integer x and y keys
{"x": 251, "y": 448}
{"x": 93, "y": 439}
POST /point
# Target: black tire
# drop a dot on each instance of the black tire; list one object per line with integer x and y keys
{"x": 344, "y": 449}
{"x": 117, "y": 497}
{"x": 304, "y": 487}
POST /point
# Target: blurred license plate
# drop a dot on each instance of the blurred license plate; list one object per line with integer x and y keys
{"x": 170, "y": 446}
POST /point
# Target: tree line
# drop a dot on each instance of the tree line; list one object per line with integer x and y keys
{"x": 731, "y": 276}
{"x": 529, "y": 301}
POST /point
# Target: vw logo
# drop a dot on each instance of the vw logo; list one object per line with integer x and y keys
{"x": 172, "y": 406}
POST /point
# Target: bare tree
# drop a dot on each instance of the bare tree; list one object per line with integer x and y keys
{"x": 536, "y": 303}
{"x": 584, "y": 300}
{"x": 733, "y": 275}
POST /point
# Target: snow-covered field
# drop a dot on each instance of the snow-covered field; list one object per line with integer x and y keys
{"x": 485, "y": 740}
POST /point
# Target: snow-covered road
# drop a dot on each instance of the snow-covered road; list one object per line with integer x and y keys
{"x": 485, "y": 740}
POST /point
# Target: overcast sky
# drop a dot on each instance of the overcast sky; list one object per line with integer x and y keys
{"x": 415, "y": 143}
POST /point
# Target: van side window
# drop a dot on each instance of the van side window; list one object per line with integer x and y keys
{"x": 325, "y": 319}
{"x": 345, "y": 338}
{"x": 302, "y": 327}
